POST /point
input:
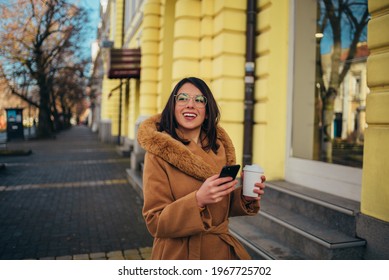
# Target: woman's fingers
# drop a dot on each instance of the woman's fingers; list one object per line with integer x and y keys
{"x": 214, "y": 189}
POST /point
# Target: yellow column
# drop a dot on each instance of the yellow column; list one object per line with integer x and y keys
{"x": 149, "y": 63}
{"x": 165, "y": 63}
{"x": 186, "y": 52}
{"x": 110, "y": 102}
{"x": 125, "y": 108}
{"x": 228, "y": 53}
{"x": 133, "y": 34}
{"x": 375, "y": 181}
{"x": 134, "y": 107}
{"x": 206, "y": 40}
{"x": 271, "y": 87}
{"x": 117, "y": 23}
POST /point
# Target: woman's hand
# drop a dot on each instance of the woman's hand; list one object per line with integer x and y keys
{"x": 214, "y": 189}
{"x": 259, "y": 188}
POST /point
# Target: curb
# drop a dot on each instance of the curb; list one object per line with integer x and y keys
{"x": 131, "y": 254}
{"x": 15, "y": 152}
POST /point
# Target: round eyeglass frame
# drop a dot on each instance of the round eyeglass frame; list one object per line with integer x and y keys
{"x": 197, "y": 104}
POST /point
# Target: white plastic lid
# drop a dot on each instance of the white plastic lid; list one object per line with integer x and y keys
{"x": 253, "y": 168}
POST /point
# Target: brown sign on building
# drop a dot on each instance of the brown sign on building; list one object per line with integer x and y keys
{"x": 124, "y": 64}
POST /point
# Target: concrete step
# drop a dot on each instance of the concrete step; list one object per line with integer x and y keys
{"x": 330, "y": 210}
{"x": 300, "y": 224}
{"x": 124, "y": 151}
{"x": 260, "y": 244}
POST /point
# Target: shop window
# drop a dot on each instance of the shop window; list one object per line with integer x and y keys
{"x": 328, "y": 93}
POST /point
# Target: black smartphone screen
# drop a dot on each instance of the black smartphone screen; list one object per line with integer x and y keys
{"x": 230, "y": 171}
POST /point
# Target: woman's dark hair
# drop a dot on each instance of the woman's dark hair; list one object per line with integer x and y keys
{"x": 168, "y": 121}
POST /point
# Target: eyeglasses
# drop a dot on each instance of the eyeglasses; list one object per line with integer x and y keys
{"x": 183, "y": 98}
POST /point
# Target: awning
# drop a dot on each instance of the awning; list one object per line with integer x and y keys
{"x": 124, "y": 63}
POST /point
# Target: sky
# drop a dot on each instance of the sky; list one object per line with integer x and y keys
{"x": 93, "y": 7}
{"x": 347, "y": 32}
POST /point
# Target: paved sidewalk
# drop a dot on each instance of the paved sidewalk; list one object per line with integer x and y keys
{"x": 69, "y": 199}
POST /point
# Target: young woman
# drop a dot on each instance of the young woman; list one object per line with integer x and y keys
{"x": 186, "y": 204}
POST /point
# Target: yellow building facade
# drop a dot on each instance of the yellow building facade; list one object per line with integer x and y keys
{"x": 207, "y": 39}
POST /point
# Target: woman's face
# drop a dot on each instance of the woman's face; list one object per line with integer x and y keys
{"x": 190, "y": 109}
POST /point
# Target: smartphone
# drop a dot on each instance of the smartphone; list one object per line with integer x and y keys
{"x": 230, "y": 171}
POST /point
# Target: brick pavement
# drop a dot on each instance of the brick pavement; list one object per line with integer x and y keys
{"x": 69, "y": 199}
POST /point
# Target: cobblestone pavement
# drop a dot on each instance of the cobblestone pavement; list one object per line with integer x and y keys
{"x": 69, "y": 199}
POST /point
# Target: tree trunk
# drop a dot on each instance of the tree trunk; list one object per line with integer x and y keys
{"x": 318, "y": 124}
{"x": 45, "y": 127}
{"x": 327, "y": 119}
{"x": 326, "y": 152}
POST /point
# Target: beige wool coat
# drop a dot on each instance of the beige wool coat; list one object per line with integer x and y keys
{"x": 173, "y": 172}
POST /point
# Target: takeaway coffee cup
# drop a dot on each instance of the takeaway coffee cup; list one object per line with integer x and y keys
{"x": 252, "y": 175}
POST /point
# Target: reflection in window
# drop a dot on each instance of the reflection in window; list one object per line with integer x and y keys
{"x": 341, "y": 54}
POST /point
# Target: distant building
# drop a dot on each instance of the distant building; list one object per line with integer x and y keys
{"x": 8, "y": 100}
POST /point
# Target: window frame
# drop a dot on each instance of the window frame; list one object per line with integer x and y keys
{"x": 335, "y": 179}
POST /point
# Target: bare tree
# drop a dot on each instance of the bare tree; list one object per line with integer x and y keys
{"x": 38, "y": 38}
{"x": 337, "y": 13}
{"x": 69, "y": 90}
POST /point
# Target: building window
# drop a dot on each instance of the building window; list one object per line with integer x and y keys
{"x": 341, "y": 36}
{"x": 328, "y": 91}
{"x": 131, "y": 8}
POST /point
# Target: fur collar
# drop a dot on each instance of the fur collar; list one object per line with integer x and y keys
{"x": 176, "y": 153}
